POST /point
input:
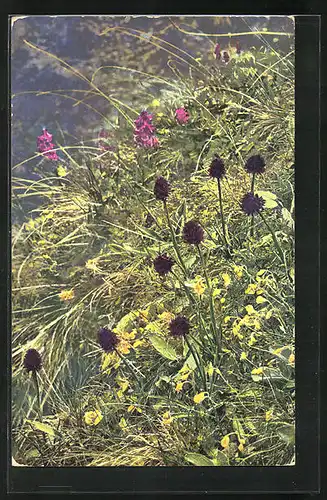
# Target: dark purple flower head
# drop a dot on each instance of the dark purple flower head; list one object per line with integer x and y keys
{"x": 161, "y": 188}
{"x": 226, "y": 57}
{"x": 163, "y": 264}
{"x": 255, "y": 165}
{"x": 32, "y": 360}
{"x": 252, "y": 204}
{"x": 217, "y": 168}
{"x": 193, "y": 233}
{"x": 217, "y": 51}
{"x": 182, "y": 115}
{"x": 107, "y": 339}
{"x": 179, "y": 327}
{"x": 45, "y": 145}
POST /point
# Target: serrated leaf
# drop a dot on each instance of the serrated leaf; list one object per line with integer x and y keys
{"x": 160, "y": 345}
{"x": 42, "y": 427}
{"x": 199, "y": 460}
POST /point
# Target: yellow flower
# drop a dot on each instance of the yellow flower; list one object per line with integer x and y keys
{"x": 226, "y": 278}
{"x": 291, "y": 359}
{"x": 243, "y": 356}
{"x": 236, "y": 330}
{"x": 241, "y": 447}
{"x": 160, "y": 115}
{"x": 166, "y": 316}
{"x": 225, "y": 442}
{"x": 198, "y": 398}
{"x": 155, "y": 103}
{"x": 124, "y": 347}
{"x": 238, "y": 270}
{"x": 132, "y": 408}
{"x": 250, "y": 309}
{"x": 226, "y": 319}
{"x": 138, "y": 343}
{"x": 199, "y": 287}
{"x": 167, "y": 418}
{"x": 93, "y": 417}
{"x": 127, "y": 335}
{"x": 257, "y": 371}
{"x": 123, "y": 424}
{"x": 269, "y": 415}
{"x": 66, "y": 295}
{"x": 260, "y": 291}
{"x": 61, "y": 171}
{"x": 222, "y": 300}
{"x": 269, "y": 314}
{"x": 251, "y": 289}
{"x": 179, "y": 386}
{"x": 252, "y": 340}
{"x": 260, "y": 300}
{"x": 123, "y": 384}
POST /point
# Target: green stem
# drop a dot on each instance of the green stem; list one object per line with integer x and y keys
{"x": 222, "y": 212}
{"x": 277, "y": 245}
{"x": 174, "y": 239}
{"x": 128, "y": 366}
{"x": 37, "y": 388}
{"x": 212, "y": 311}
{"x": 252, "y": 218}
{"x": 197, "y": 362}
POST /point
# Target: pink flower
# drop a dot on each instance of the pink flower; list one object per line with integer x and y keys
{"x": 182, "y": 116}
{"x": 103, "y": 141}
{"x": 217, "y": 51}
{"x": 144, "y": 131}
{"x": 45, "y": 145}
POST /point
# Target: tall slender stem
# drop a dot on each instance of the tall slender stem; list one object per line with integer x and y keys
{"x": 197, "y": 362}
{"x": 128, "y": 366}
{"x": 277, "y": 245}
{"x": 212, "y": 311}
{"x": 174, "y": 239}
{"x": 222, "y": 212}
{"x": 37, "y": 388}
{"x": 252, "y": 217}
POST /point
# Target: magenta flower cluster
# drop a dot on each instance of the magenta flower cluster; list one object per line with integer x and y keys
{"x": 45, "y": 145}
{"x": 144, "y": 133}
{"x": 182, "y": 116}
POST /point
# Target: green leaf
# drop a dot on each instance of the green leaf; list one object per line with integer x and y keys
{"x": 288, "y": 218}
{"x": 287, "y": 433}
{"x": 190, "y": 261}
{"x": 163, "y": 347}
{"x": 42, "y": 427}
{"x": 199, "y": 460}
{"x": 220, "y": 459}
{"x": 270, "y": 198}
{"x": 237, "y": 426}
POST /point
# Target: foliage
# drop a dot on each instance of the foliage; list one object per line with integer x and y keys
{"x": 83, "y": 259}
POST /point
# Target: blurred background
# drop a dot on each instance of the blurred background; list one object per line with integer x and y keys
{"x": 80, "y": 42}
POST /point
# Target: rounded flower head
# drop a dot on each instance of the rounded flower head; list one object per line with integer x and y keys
{"x": 163, "y": 264}
{"x": 107, "y": 339}
{"x": 32, "y": 360}
{"x": 182, "y": 115}
{"x": 193, "y": 233}
{"x": 226, "y": 57}
{"x": 252, "y": 204}
{"x": 255, "y": 165}
{"x": 161, "y": 189}
{"x": 179, "y": 327}
{"x": 217, "y": 168}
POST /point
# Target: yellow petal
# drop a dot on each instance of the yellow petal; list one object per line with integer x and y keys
{"x": 250, "y": 309}
{"x": 198, "y": 398}
{"x": 225, "y": 442}
{"x": 243, "y": 356}
{"x": 227, "y": 279}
